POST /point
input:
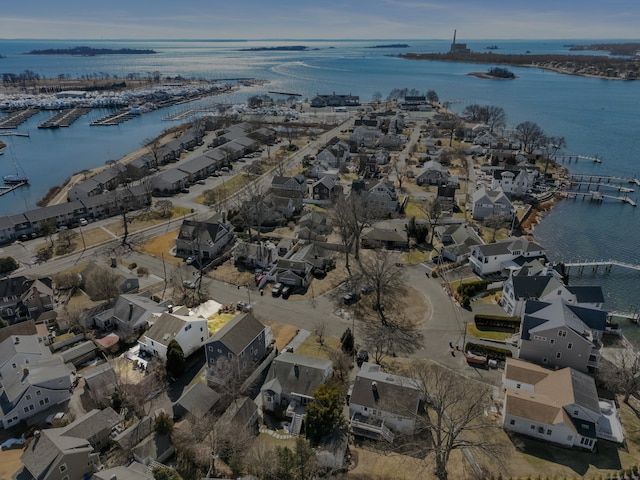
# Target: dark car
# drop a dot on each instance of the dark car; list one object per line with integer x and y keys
{"x": 286, "y": 291}
{"x": 276, "y": 290}
{"x": 350, "y": 298}
{"x": 361, "y": 357}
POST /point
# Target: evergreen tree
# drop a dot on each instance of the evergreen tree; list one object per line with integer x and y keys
{"x": 323, "y": 413}
{"x": 347, "y": 341}
{"x": 175, "y": 359}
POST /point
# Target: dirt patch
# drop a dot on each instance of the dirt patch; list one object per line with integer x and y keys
{"x": 321, "y": 286}
{"x": 10, "y": 462}
{"x": 159, "y": 246}
{"x": 312, "y": 347}
{"x": 229, "y": 273}
{"x": 283, "y": 333}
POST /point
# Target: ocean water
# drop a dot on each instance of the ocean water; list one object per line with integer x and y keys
{"x": 597, "y": 117}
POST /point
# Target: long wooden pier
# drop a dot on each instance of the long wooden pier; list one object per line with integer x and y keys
{"x": 597, "y": 197}
{"x": 596, "y": 264}
{"x": 17, "y": 118}
{"x": 603, "y": 179}
{"x": 65, "y": 118}
{"x": 570, "y": 157}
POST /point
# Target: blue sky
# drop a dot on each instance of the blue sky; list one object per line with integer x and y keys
{"x": 330, "y": 19}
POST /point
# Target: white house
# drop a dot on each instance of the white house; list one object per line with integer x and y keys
{"x": 32, "y": 380}
{"x": 501, "y": 257}
{"x": 512, "y": 182}
{"x": 487, "y": 203}
{"x": 382, "y": 404}
{"x": 560, "y": 406}
{"x": 190, "y": 332}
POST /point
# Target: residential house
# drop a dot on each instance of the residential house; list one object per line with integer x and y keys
{"x": 503, "y": 256}
{"x": 297, "y": 183}
{"x": 433, "y": 173}
{"x": 261, "y": 255}
{"x": 198, "y": 400}
{"x": 335, "y": 154}
{"x": 70, "y": 452}
{"x": 290, "y": 383}
{"x": 415, "y": 103}
{"x": 189, "y": 331}
{"x": 263, "y": 135}
{"x": 380, "y": 195}
{"x": 314, "y": 255}
{"x": 296, "y": 273}
{"x": 512, "y": 182}
{"x": 334, "y": 100}
{"x": 155, "y": 448}
{"x": 556, "y": 406}
{"x": 32, "y": 380}
{"x": 79, "y": 353}
{"x": 7, "y": 230}
{"x": 545, "y": 287}
{"x": 100, "y": 382}
{"x": 279, "y": 207}
{"x": 366, "y": 137}
{"x": 490, "y": 203}
{"x": 66, "y": 213}
{"x": 22, "y": 298}
{"x": 446, "y": 196}
{"x": 130, "y": 313}
{"x": 389, "y": 235}
{"x": 557, "y": 334}
{"x": 107, "y": 179}
{"x": 241, "y": 344}
{"x": 204, "y": 240}
{"x": 382, "y": 404}
{"x": 457, "y": 241}
{"x": 133, "y": 471}
{"x": 326, "y": 189}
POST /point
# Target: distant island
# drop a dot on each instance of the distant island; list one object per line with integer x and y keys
{"x": 612, "y": 48}
{"x": 495, "y": 73}
{"x": 597, "y": 66}
{"x": 289, "y": 48}
{"x": 90, "y": 52}
{"x": 391, "y": 45}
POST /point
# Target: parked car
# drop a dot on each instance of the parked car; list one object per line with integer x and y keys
{"x": 350, "y": 298}
{"x": 276, "y": 290}
{"x": 190, "y": 285}
{"x": 184, "y": 190}
{"x": 361, "y": 357}
{"x": 83, "y": 222}
{"x": 286, "y": 291}
{"x": 201, "y": 182}
{"x": 190, "y": 260}
{"x": 243, "y": 306}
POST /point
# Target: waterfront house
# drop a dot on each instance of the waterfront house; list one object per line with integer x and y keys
{"x": 240, "y": 345}
{"x": 335, "y": 100}
{"x": 512, "y": 182}
{"x": 32, "y": 380}
{"x": 205, "y": 240}
{"x": 7, "y": 230}
{"x": 415, "y": 103}
{"x": 382, "y": 404}
{"x": 557, "y": 334}
{"x": 61, "y": 214}
{"x": 189, "y": 331}
{"x": 457, "y": 241}
{"x": 170, "y": 181}
{"x": 490, "y": 203}
{"x": 504, "y": 256}
{"x": 556, "y": 406}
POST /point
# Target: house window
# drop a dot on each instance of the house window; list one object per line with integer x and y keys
{"x": 202, "y": 339}
{"x": 46, "y": 399}
{"x": 28, "y": 397}
{"x": 210, "y": 348}
{"x": 533, "y": 427}
{"x": 38, "y": 392}
{"x": 63, "y": 467}
{"x": 14, "y": 365}
{"x": 540, "y": 429}
{"x": 219, "y": 350}
{"x": 558, "y": 355}
{"x": 26, "y": 409}
{"x": 562, "y": 333}
{"x": 545, "y": 360}
{"x": 512, "y": 422}
{"x": 552, "y": 341}
{"x": 575, "y": 412}
{"x": 518, "y": 385}
{"x": 569, "y": 346}
{"x": 201, "y": 329}
{"x": 548, "y": 431}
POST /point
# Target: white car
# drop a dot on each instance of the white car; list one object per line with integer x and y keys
{"x": 83, "y": 222}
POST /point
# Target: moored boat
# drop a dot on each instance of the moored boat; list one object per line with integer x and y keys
{"x": 15, "y": 179}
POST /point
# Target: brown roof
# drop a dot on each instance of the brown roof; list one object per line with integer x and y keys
{"x": 525, "y": 372}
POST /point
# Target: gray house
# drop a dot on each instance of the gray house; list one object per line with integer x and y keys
{"x": 205, "y": 240}
{"x": 556, "y": 334}
{"x": 487, "y": 203}
{"x": 129, "y": 314}
{"x": 240, "y": 344}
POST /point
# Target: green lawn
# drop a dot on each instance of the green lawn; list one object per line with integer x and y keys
{"x": 474, "y": 331}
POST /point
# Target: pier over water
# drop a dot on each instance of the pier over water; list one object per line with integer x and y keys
{"x": 596, "y": 264}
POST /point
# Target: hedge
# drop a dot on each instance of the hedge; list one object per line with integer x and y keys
{"x": 509, "y": 323}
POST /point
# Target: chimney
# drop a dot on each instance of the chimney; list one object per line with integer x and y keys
{"x": 25, "y": 371}
{"x": 170, "y": 308}
{"x": 374, "y": 390}
{"x": 17, "y": 340}
{"x": 296, "y": 370}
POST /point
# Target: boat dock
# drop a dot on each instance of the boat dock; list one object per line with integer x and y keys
{"x": 603, "y": 179}
{"x": 65, "y": 118}
{"x": 17, "y": 118}
{"x": 113, "y": 119}
{"x": 10, "y": 188}
{"x": 189, "y": 112}
{"x": 569, "y": 158}
{"x": 285, "y": 93}
{"x": 597, "y": 197}
{"x": 595, "y": 265}
{"x": 13, "y": 134}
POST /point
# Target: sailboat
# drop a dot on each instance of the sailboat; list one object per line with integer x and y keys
{"x": 17, "y": 178}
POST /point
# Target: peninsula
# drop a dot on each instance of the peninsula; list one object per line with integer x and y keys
{"x": 391, "y": 45}
{"x": 284, "y": 48}
{"x": 582, "y": 65}
{"x": 611, "y": 48}
{"x": 90, "y": 51}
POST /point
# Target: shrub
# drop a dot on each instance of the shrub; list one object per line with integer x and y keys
{"x": 7, "y": 264}
{"x": 142, "y": 272}
{"x": 133, "y": 266}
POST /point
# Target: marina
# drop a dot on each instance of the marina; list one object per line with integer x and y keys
{"x": 17, "y": 118}
{"x": 65, "y": 118}
{"x": 10, "y": 188}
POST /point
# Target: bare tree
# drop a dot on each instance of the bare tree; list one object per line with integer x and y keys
{"x": 154, "y": 147}
{"x": 102, "y": 284}
{"x": 342, "y": 363}
{"x": 386, "y": 279}
{"x": 450, "y": 125}
{"x": 433, "y": 210}
{"x": 128, "y": 206}
{"x": 399, "y": 335}
{"x": 494, "y": 223}
{"x": 455, "y": 414}
{"x": 252, "y": 207}
{"x": 66, "y": 237}
{"x": 399, "y": 171}
{"x": 341, "y": 214}
{"x": 495, "y": 117}
{"x": 48, "y": 228}
{"x": 552, "y": 147}
{"x": 320, "y": 330}
{"x": 231, "y": 378}
{"x": 530, "y": 135}
{"x": 623, "y": 373}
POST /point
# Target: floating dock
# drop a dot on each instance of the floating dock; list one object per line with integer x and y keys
{"x": 17, "y": 118}
{"x": 113, "y": 119}
{"x": 571, "y": 158}
{"x": 65, "y": 118}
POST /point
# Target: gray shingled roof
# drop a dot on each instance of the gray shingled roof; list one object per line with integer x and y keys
{"x": 238, "y": 332}
{"x": 291, "y": 372}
